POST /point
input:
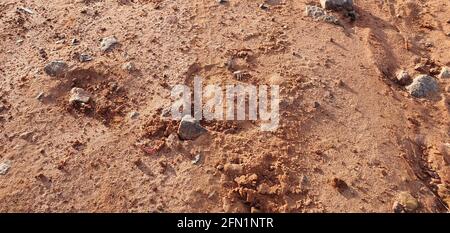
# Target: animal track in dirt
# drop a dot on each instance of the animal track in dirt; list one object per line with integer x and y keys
{"x": 157, "y": 128}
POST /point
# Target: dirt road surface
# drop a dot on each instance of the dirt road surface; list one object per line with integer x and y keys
{"x": 351, "y": 139}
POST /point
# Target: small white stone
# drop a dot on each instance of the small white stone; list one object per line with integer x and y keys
{"x": 108, "y": 43}
{"x": 4, "y": 167}
{"x": 129, "y": 66}
{"x": 79, "y": 95}
{"x": 134, "y": 115}
{"x": 196, "y": 159}
{"x": 445, "y": 72}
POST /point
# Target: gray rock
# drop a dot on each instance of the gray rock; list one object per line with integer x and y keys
{"x": 337, "y": 4}
{"x": 190, "y": 128}
{"x": 79, "y": 95}
{"x": 56, "y": 68}
{"x": 314, "y": 11}
{"x": 4, "y": 167}
{"x": 319, "y": 14}
{"x": 129, "y": 66}
{"x": 422, "y": 86}
{"x": 108, "y": 43}
{"x": 445, "y": 72}
{"x": 403, "y": 78}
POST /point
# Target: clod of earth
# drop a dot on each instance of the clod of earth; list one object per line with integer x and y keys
{"x": 79, "y": 95}
{"x": 55, "y": 68}
{"x": 108, "y": 43}
{"x": 27, "y": 136}
{"x": 339, "y": 184}
{"x": 233, "y": 169}
{"x": 190, "y": 128}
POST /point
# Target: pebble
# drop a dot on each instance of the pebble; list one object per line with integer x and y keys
{"x": 134, "y": 115}
{"x": 85, "y": 57}
{"x": 263, "y": 6}
{"x": 25, "y": 9}
{"x": 422, "y": 86}
{"x": 27, "y": 136}
{"x": 190, "y": 128}
{"x": 4, "y": 167}
{"x": 75, "y": 42}
{"x": 79, "y": 95}
{"x": 196, "y": 159}
{"x": 403, "y": 78}
{"x": 108, "y": 43}
{"x": 129, "y": 66}
{"x": 397, "y": 207}
{"x": 406, "y": 201}
{"x": 173, "y": 141}
{"x": 337, "y": 4}
{"x": 318, "y": 13}
{"x": 40, "y": 96}
{"x": 445, "y": 72}
{"x": 55, "y": 68}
